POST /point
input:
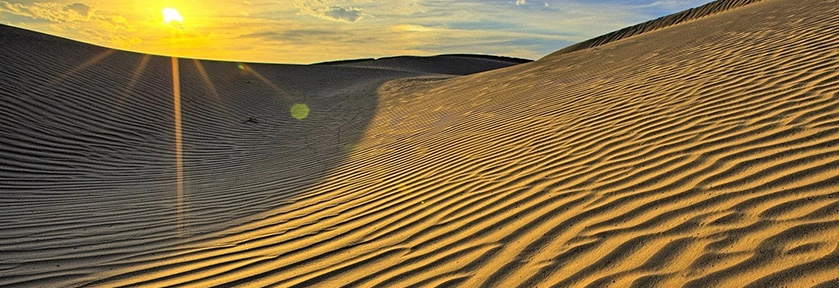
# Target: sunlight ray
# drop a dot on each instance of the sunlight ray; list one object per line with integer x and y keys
{"x": 138, "y": 71}
{"x": 248, "y": 69}
{"x": 134, "y": 78}
{"x": 80, "y": 67}
{"x": 210, "y": 86}
{"x": 179, "y": 167}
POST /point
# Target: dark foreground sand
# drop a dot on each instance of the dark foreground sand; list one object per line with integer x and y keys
{"x": 698, "y": 153}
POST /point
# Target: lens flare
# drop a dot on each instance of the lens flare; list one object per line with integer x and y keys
{"x": 299, "y": 111}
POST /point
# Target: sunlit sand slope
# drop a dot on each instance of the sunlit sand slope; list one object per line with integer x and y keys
{"x": 704, "y": 154}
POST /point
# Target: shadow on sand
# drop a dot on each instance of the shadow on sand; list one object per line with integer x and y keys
{"x": 96, "y": 156}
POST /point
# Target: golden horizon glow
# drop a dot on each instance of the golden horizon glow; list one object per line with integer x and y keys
{"x": 172, "y": 14}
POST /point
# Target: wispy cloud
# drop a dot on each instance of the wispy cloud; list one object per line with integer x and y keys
{"x": 50, "y": 11}
{"x": 322, "y": 9}
{"x": 60, "y": 13}
{"x": 78, "y": 19}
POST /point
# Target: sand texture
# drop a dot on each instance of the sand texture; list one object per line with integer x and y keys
{"x": 701, "y": 154}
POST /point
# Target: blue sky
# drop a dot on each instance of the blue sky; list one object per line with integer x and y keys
{"x": 307, "y": 31}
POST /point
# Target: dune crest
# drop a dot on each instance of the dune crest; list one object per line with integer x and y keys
{"x": 656, "y": 24}
{"x": 704, "y": 154}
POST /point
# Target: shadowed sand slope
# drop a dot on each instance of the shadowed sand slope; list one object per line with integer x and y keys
{"x": 703, "y": 154}
{"x": 96, "y": 165}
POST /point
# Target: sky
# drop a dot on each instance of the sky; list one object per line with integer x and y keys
{"x": 310, "y": 31}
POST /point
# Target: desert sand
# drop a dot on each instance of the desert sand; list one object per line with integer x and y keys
{"x": 702, "y": 151}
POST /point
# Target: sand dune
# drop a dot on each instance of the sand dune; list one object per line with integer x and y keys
{"x": 89, "y": 159}
{"x": 453, "y": 64}
{"x": 702, "y": 154}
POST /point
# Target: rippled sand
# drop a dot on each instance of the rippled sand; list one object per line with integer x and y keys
{"x": 702, "y": 152}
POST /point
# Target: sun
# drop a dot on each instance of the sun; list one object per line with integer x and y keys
{"x": 171, "y": 14}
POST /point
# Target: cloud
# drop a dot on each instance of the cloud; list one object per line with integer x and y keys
{"x": 299, "y": 36}
{"x": 50, "y": 11}
{"x": 323, "y": 10}
{"x": 112, "y": 38}
{"x": 73, "y": 20}
{"x": 68, "y": 14}
{"x": 344, "y": 14}
{"x": 521, "y": 2}
{"x": 81, "y": 9}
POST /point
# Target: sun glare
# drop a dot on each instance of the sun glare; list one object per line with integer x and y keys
{"x": 170, "y": 14}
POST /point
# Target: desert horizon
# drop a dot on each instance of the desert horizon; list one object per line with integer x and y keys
{"x": 696, "y": 149}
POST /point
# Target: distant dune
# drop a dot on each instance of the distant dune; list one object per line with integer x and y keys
{"x": 701, "y": 153}
{"x": 451, "y": 64}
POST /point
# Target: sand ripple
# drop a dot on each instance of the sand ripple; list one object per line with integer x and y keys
{"x": 704, "y": 154}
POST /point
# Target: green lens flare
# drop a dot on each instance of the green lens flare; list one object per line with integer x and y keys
{"x": 299, "y": 111}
